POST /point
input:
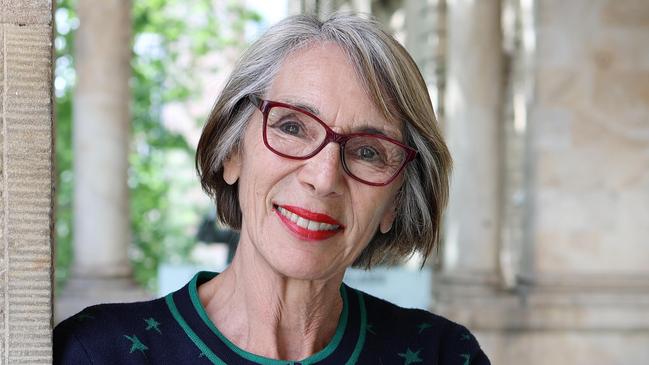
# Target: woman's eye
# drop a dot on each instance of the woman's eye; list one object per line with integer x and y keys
{"x": 291, "y": 128}
{"x": 367, "y": 153}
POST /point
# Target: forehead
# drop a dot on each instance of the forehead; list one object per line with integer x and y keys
{"x": 323, "y": 79}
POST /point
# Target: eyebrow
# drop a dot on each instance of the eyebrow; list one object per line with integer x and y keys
{"x": 308, "y": 107}
{"x": 396, "y": 135}
{"x": 373, "y": 130}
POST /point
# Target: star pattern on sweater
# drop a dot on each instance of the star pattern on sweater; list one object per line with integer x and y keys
{"x": 465, "y": 337}
{"x": 370, "y": 328}
{"x": 136, "y": 344}
{"x": 466, "y": 358}
{"x": 411, "y": 357}
{"x": 424, "y": 326}
{"x": 83, "y": 316}
{"x": 151, "y": 323}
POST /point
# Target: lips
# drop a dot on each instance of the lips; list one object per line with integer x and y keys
{"x": 306, "y": 224}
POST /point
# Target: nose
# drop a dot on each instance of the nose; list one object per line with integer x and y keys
{"x": 323, "y": 173}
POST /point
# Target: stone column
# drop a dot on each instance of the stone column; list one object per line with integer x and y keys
{"x": 424, "y": 27}
{"x": 101, "y": 269}
{"x": 101, "y": 123}
{"x": 25, "y": 181}
{"x": 473, "y": 100}
{"x": 588, "y": 298}
{"x": 472, "y": 120}
{"x": 324, "y": 7}
{"x": 583, "y": 296}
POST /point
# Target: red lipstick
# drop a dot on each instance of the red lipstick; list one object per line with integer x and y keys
{"x": 312, "y": 216}
{"x": 305, "y": 233}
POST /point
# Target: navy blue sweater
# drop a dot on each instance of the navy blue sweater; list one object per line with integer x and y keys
{"x": 176, "y": 330}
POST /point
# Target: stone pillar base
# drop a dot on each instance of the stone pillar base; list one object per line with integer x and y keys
{"x": 81, "y": 292}
{"x": 555, "y": 320}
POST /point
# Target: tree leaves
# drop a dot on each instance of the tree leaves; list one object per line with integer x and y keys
{"x": 169, "y": 39}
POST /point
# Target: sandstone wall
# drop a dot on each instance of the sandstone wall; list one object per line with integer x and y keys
{"x": 585, "y": 295}
{"x": 26, "y": 194}
{"x": 572, "y": 283}
{"x": 591, "y": 138}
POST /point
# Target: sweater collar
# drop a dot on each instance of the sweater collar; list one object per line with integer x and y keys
{"x": 343, "y": 348}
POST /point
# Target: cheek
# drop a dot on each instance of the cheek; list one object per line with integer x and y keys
{"x": 369, "y": 209}
{"x": 249, "y": 190}
{"x": 261, "y": 175}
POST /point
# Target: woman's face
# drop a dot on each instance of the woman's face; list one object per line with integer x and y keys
{"x": 307, "y": 218}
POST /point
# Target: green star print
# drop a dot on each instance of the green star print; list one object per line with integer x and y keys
{"x": 466, "y": 358}
{"x": 370, "y": 328}
{"x": 424, "y": 326}
{"x": 411, "y": 357}
{"x": 151, "y": 323}
{"x": 83, "y": 316}
{"x": 136, "y": 345}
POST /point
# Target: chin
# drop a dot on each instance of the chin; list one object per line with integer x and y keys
{"x": 306, "y": 269}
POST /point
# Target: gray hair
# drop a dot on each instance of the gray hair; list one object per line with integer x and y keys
{"x": 394, "y": 84}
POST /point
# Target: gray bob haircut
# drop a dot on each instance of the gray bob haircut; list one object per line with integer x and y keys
{"x": 395, "y": 85}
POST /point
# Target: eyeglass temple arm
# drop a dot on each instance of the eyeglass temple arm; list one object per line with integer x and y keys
{"x": 255, "y": 101}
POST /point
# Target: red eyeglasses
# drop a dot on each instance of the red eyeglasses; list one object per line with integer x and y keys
{"x": 371, "y": 158}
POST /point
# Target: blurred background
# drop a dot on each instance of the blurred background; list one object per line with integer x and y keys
{"x": 544, "y": 104}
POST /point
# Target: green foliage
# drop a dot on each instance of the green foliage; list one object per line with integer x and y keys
{"x": 170, "y": 36}
{"x": 64, "y": 70}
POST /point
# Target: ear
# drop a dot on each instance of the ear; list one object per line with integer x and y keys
{"x": 232, "y": 168}
{"x": 388, "y": 218}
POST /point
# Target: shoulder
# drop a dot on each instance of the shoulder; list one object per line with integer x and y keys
{"x": 98, "y": 333}
{"x": 419, "y": 333}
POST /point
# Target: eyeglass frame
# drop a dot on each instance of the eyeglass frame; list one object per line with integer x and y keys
{"x": 331, "y": 136}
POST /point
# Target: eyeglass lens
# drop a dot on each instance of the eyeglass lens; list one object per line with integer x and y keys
{"x": 369, "y": 158}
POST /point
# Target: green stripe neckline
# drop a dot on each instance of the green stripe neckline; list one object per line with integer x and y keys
{"x": 190, "y": 333}
{"x": 320, "y": 355}
{"x": 362, "y": 331}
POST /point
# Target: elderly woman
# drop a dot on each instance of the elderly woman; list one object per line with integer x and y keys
{"x": 323, "y": 151}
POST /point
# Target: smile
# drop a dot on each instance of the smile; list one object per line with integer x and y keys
{"x": 308, "y": 225}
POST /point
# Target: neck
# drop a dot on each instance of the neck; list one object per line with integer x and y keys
{"x": 271, "y": 315}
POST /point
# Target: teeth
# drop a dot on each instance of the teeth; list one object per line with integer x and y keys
{"x": 302, "y": 222}
{"x": 305, "y": 223}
